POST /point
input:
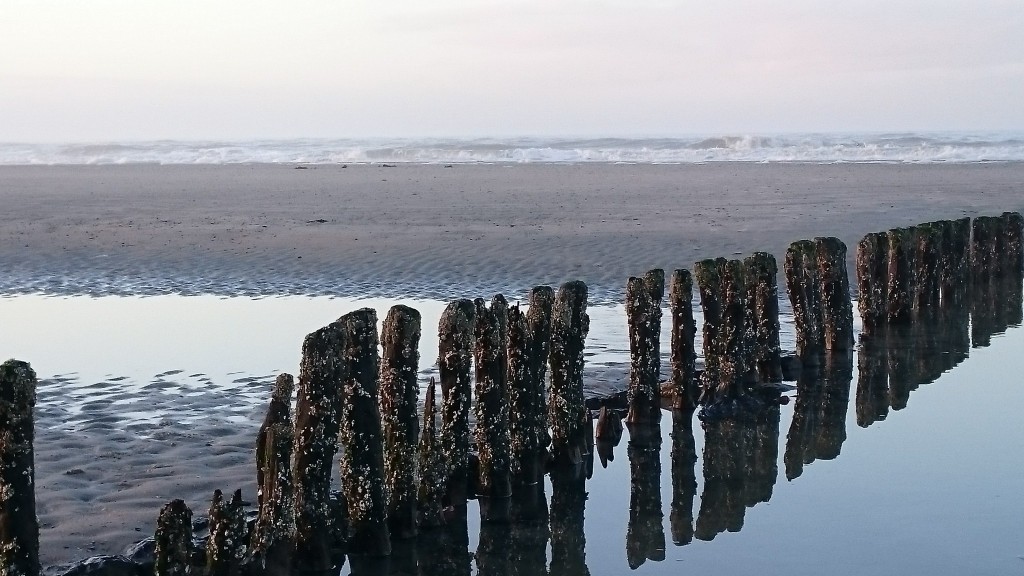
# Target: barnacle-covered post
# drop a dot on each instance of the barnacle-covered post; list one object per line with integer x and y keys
{"x": 684, "y": 329}
{"x": 723, "y": 293}
{"x": 433, "y": 472}
{"x": 872, "y": 261}
{"x": 763, "y": 303}
{"x": 984, "y": 241}
{"x": 226, "y": 545}
{"x": 362, "y": 458}
{"x": 836, "y": 308}
{"x": 900, "y": 285}
{"x": 19, "y": 528}
{"x": 173, "y": 551}
{"x": 805, "y": 296}
{"x": 1013, "y": 244}
{"x": 399, "y": 391}
{"x": 317, "y": 412}
{"x": 643, "y": 312}
{"x": 955, "y": 269}
{"x": 455, "y": 358}
{"x": 524, "y": 441}
{"x": 491, "y": 433}
{"x": 272, "y": 535}
{"x": 928, "y": 256}
{"x": 529, "y": 341}
{"x": 566, "y": 411}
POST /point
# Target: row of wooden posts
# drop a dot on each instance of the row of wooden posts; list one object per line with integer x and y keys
{"x": 398, "y": 476}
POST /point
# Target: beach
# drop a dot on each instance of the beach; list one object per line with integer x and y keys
{"x": 431, "y": 230}
{"x": 419, "y": 231}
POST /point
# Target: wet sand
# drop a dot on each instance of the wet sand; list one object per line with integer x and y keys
{"x": 426, "y": 231}
{"x": 432, "y": 231}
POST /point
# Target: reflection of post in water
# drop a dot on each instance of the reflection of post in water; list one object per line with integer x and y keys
{"x": 492, "y": 553}
{"x": 645, "y": 536}
{"x": 818, "y": 429}
{"x": 872, "y": 381}
{"x": 568, "y": 502}
{"x": 740, "y": 468}
{"x": 444, "y": 551}
{"x": 528, "y": 537}
{"x": 684, "y": 477}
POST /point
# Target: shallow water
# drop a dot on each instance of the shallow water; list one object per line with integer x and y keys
{"x": 902, "y": 458}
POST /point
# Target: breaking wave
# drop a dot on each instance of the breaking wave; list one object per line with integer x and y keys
{"x": 806, "y": 148}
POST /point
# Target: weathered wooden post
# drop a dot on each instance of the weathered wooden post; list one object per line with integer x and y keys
{"x": 566, "y": 411}
{"x": 643, "y": 311}
{"x": 272, "y": 544}
{"x": 491, "y": 409}
{"x": 837, "y": 310}
{"x": 1013, "y": 244}
{"x": 684, "y": 355}
{"x": 805, "y": 296}
{"x": 19, "y": 528}
{"x": 984, "y": 243}
{"x": 928, "y": 261}
{"x": 726, "y": 358}
{"x": 455, "y": 358}
{"x": 174, "y": 540}
{"x": 226, "y": 546}
{"x": 433, "y": 471}
{"x": 900, "y": 284}
{"x": 872, "y": 262}
{"x": 362, "y": 457}
{"x": 529, "y": 337}
{"x": 763, "y": 303}
{"x": 317, "y": 414}
{"x": 399, "y": 391}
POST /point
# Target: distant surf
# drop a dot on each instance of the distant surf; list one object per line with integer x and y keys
{"x": 799, "y": 148}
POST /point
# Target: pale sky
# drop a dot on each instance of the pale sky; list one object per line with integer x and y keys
{"x": 232, "y": 69}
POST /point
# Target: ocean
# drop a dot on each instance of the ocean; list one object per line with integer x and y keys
{"x": 910, "y": 147}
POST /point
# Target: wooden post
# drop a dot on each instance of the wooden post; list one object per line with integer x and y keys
{"x": 837, "y": 310}
{"x": 229, "y": 533}
{"x": 362, "y": 457}
{"x": 643, "y": 311}
{"x": 433, "y": 472}
{"x": 19, "y": 528}
{"x": 566, "y": 411}
{"x": 455, "y": 357}
{"x": 684, "y": 329}
{"x": 900, "y": 284}
{"x": 399, "y": 393}
{"x": 317, "y": 413}
{"x": 491, "y": 409}
{"x": 984, "y": 243}
{"x": 272, "y": 541}
{"x": 1013, "y": 243}
{"x": 726, "y": 358}
{"x": 528, "y": 429}
{"x": 763, "y": 303}
{"x": 928, "y": 261}
{"x": 173, "y": 551}
{"x": 872, "y": 262}
{"x": 805, "y": 296}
